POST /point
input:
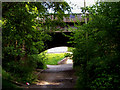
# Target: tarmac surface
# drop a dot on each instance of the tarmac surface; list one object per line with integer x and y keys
{"x": 55, "y": 76}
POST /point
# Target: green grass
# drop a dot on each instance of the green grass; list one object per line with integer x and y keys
{"x": 8, "y": 84}
{"x": 6, "y": 77}
{"x": 54, "y": 58}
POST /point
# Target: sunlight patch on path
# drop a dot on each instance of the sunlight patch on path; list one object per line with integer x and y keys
{"x": 47, "y": 83}
{"x": 68, "y": 65}
{"x": 69, "y": 61}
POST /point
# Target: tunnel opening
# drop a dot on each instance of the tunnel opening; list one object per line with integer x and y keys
{"x": 57, "y": 55}
{"x": 58, "y": 39}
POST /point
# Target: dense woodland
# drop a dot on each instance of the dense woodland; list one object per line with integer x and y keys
{"x": 97, "y": 44}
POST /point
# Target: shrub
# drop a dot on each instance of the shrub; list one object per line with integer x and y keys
{"x": 97, "y": 48}
{"x": 23, "y": 70}
{"x": 70, "y": 49}
{"x": 67, "y": 55}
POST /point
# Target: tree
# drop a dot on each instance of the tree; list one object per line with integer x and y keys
{"x": 100, "y": 70}
{"x": 24, "y": 35}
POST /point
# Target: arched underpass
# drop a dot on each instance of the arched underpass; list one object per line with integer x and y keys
{"x": 56, "y": 76}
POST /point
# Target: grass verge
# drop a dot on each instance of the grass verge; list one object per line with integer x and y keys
{"x": 54, "y": 58}
{"x": 6, "y": 81}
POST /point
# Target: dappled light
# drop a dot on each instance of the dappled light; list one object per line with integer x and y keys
{"x": 47, "y": 83}
{"x": 69, "y": 61}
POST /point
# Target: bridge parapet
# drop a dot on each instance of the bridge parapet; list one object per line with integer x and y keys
{"x": 69, "y": 18}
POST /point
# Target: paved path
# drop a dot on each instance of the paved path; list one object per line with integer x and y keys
{"x": 62, "y": 49}
{"x": 56, "y": 76}
{"x": 58, "y": 68}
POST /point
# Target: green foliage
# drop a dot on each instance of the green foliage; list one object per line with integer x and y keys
{"x": 41, "y": 64}
{"x": 7, "y": 84}
{"x": 24, "y": 36}
{"x": 23, "y": 71}
{"x": 70, "y": 49}
{"x": 6, "y": 75}
{"x": 97, "y": 49}
{"x": 67, "y": 55}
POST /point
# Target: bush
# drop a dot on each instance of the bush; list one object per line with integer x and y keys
{"x": 70, "y": 49}
{"x": 97, "y": 48}
{"x": 6, "y": 80}
{"x": 8, "y": 85}
{"x": 23, "y": 70}
{"x": 6, "y": 75}
{"x": 67, "y": 55}
{"x": 41, "y": 64}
